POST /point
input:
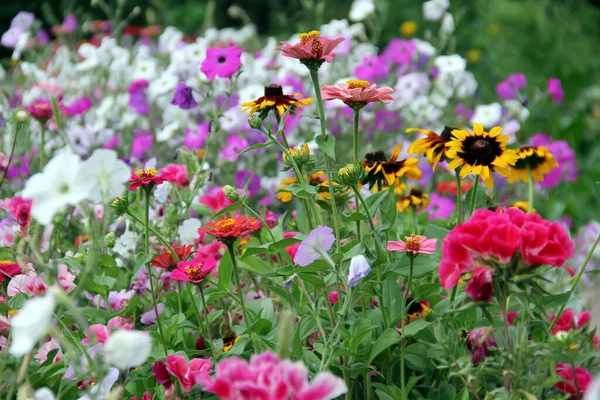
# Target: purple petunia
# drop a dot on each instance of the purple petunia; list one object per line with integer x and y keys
{"x": 196, "y": 137}
{"x": 372, "y": 69}
{"x": 184, "y": 97}
{"x": 317, "y": 241}
{"x": 242, "y": 176}
{"x": 222, "y": 62}
{"x": 564, "y": 155}
{"x": 440, "y": 207}
{"x": 137, "y": 97}
{"x": 555, "y": 90}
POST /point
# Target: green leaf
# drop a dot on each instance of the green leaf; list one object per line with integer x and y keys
{"x": 463, "y": 395}
{"x": 229, "y": 208}
{"x": 415, "y": 327}
{"x": 262, "y": 327}
{"x": 105, "y": 260}
{"x": 388, "y": 338}
{"x": 355, "y": 216}
{"x": 298, "y": 190}
{"x": 375, "y": 200}
{"x": 416, "y": 354}
{"x": 225, "y": 270}
{"x": 446, "y": 391}
{"x": 327, "y": 145}
{"x": 256, "y": 146}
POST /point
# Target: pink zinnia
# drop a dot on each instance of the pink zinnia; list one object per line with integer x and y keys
{"x": 222, "y": 62}
{"x": 311, "y": 48}
{"x": 415, "y": 244}
{"x": 356, "y": 92}
{"x": 194, "y": 270}
{"x": 175, "y": 173}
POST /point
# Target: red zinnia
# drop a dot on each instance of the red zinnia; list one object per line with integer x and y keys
{"x": 194, "y": 270}
{"x": 229, "y": 229}
{"x": 145, "y": 177}
{"x": 165, "y": 259}
{"x": 8, "y": 269}
{"x": 41, "y": 109}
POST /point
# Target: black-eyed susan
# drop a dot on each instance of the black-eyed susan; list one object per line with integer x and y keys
{"x": 382, "y": 173}
{"x": 522, "y": 205}
{"x": 228, "y": 343}
{"x": 433, "y": 146}
{"x": 418, "y": 308}
{"x": 274, "y": 99}
{"x": 316, "y": 178}
{"x": 537, "y": 159}
{"x": 480, "y": 153}
{"x": 415, "y": 200}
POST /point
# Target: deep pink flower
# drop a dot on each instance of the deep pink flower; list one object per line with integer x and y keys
{"x": 564, "y": 155}
{"x": 555, "y": 90}
{"x": 415, "y": 244}
{"x": 564, "y": 323}
{"x": 215, "y": 199}
{"x": 137, "y": 97}
{"x": 544, "y": 242}
{"x": 372, "y": 69}
{"x": 583, "y": 319}
{"x": 481, "y": 285}
{"x": 222, "y": 62}
{"x": 196, "y": 137}
{"x": 311, "y": 48}
{"x": 194, "y": 270}
{"x": 187, "y": 374}
{"x": 333, "y": 297}
{"x": 161, "y": 374}
{"x": 77, "y": 107}
{"x": 41, "y": 109}
{"x": 234, "y": 146}
{"x": 506, "y": 91}
{"x": 511, "y": 316}
{"x": 399, "y": 51}
{"x": 357, "y": 92}
{"x": 20, "y": 209}
{"x": 141, "y": 144}
{"x": 8, "y": 269}
{"x": 518, "y": 81}
{"x": 292, "y": 249}
{"x": 440, "y": 207}
{"x": 570, "y": 376}
{"x": 175, "y": 173}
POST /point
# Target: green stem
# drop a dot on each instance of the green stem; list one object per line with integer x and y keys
{"x": 340, "y": 323}
{"x": 206, "y": 327}
{"x": 403, "y": 319}
{"x": 575, "y": 283}
{"x": 149, "y": 266}
{"x": 530, "y": 187}
{"x": 459, "y": 197}
{"x": 355, "y": 160}
{"x": 158, "y": 236}
{"x": 474, "y": 196}
{"x": 42, "y": 145}
{"x": 314, "y": 74}
{"x": 364, "y": 203}
{"x": 236, "y": 275}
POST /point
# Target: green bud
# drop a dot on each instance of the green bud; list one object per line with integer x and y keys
{"x": 351, "y": 174}
{"x": 80, "y": 258}
{"x": 231, "y": 193}
{"x": 21, "y": 116}
{"x": 301, "y": 155}
{"x": 110, "y": 239}
{"x": 255, "y": 121}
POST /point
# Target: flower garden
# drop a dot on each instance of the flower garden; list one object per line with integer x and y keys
{"x": 233, "y": 216}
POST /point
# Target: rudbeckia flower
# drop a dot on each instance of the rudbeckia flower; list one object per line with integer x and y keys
{"x": 416, "y": 200}
{"x": 433, "y": 146}
{"x": 382, "y": 173}
{"x": 539, "y": 160}
{"x": 480, "y": 153}
{"x": 274, "y": 99}
{"x": 357, "y": 93}
{"x": 316, "y": 178}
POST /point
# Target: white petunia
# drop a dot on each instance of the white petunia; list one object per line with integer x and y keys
{"x": 447, "y": 27}
{"x": 31, "y": 324}
{"x": 57, "y": 186}
{"x": 361, "y": 9}
{"x": 161, "y": 192}
{"x": 487, "y": 115}
{"x": 102, "y": 390}
{"x": 126, "y": 349}
{"x": 106, "y": 173}
{"x": 433, "y": 10}
{"x": 359, "y": 268}
{"x": 188, "y": 231}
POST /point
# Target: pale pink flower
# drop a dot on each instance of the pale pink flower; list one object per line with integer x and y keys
{"x": 47, "y": 347}
{"x": 311, "y": 48}
{"x": 357, "y": 92}
{"x": 65, "y": 278}
{"x": 26, "y": 283}
{"x": 415, "y": 244}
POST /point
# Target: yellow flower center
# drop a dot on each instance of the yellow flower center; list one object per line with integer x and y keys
{"x": 12, "y": 313}
{"x": 6, "y": 262}
{"x": 357, "y": 83}
{"x": 194, "y": 273}
{"x": 408, "y": 28}
{"x": 146, "y": 173}
{"x": 413, "y": 243}
{"x": 306, "y": 37}
{"x": 573, "y": 346}
{"x": 116, "y": 201}
{"x": 226, "y": 224}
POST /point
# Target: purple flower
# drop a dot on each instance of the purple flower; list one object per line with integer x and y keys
{"x": 518, "y": 81}
{"x": 399, "y": 51}
{"x": 359, "y": 268}
{"x": 112, "y": 143}
{"x": 506, "y": 91}
{"x": 184, "y": 97}
{"x": 440, "y": 207}
{"x": 235, "y": 144}
{"x": 69, "y": 24}
{"x": 555, "y": 90}
{"x": 564, "y": 155}
{"x": 137, "y": 97}
{"x": 23, "y": 20}
{"x": 149, "y": 318}
{"x": 479, "y": 343}
{"x": 253, "y": 187}
{"x": 11, "y": 37}
{"x": 42, "y": 37}
{"x": 372, "y": 69}
{"x": 141, "y": 144}
{"x": 387, "y": 121}
{"x": 318, "y": 240}
{"x": 77, "y": 106}
{"x": 196, "y": 137}
{"x": 222, "y": 62}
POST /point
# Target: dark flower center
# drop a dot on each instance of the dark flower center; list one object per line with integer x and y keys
{"x": 481, "y": 146}
{"x": 273, "y": 90}
{"x": 477, "y": 150}
{"x": 222, "y": 60}
{"x": 447, "y": 133}
{"x": 378, "y": 156}
{"x": 416, "y": 193}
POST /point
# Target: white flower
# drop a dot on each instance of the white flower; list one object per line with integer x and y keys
{"x": 31, "y": 324}
{"x": 511, "y": 128}
{"x": 126, "y": 243}
{"x": 107, "y": 175}
{"x": 447, "y": 27}
{"x": 410, "y": 86}
{"x": 517, "y": 109}
{"x": 466, "y": 85}
{"x": 359, "y": 268}
{"x": 56, "y": 187}
{"x": 145, "y": 68}
{"x": 593, "y": 391}
{"x": 102, "y": 390}
{"x": 167, "y": 132}
{"x": 424, "y": 47}
{"x": 361, "y": 9}
{"x": 44, "y": 393}
{"x": 188, "y": 231}
{"x": 161, "y": 192}
{"x": 125, "y": 349}
{"x": 433, "y": 10}
{"x": 169, "y": 40}
{"x": 166, "y": 83}
{"x": 450, "y": 65}
{"x": 487, "y": 115}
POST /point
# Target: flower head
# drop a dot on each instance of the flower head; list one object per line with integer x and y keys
{"x": 414, "y": 245}
{"x": 194, "y": 270}
{"x": 382, "y": 173}
{"x": 479, "y": 344}
{"x": 359, "y": 268}
{"x": 573, "y": 379}
{"x": 8, "y": 269}
{"x": 274, "y": 99}
{"x": 127, "y": 348}
{"x": 537, "y": 161}
{"x": 222, "y": 62}
{"x": 184, "y": 97}
{"x": 165, "y": 259}
{"x": 175, "y": 173}
{"x": 147, "y": 177}
{"x": 188, "y": 374}
{"x": 433, "y": 146}
{"x": 480, "y": 153}
{"x": 41, "y": 109}
{"x": 230, "y": 229}
{"x": 555, "y": 90}
{"x": 311, "y": 48}
{"x": 317, "y": 241}
{"x": 415, "y": 200}
{"x": 357, "y": 93}
{"x": 481, "y": 285}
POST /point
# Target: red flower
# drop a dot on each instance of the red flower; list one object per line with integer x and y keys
{"x": 450, "y": 187}
{"x": 229, "y": 229}
{"x": 165, "y": 259}
{"x": 145, "y": 177}
{"x": 41, "y": 109}
{"x": 481, "y": 285}
{"x": 8, "y": 269}
{"x": 194, "y": 270}
{"x": 580, "y": 375}
{"x": 568, "y": 320}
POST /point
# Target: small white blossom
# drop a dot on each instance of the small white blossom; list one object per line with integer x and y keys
{"x": 126, "y": 349}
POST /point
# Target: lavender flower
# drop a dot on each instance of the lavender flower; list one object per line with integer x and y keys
{"x": 359, "y": 268}
{"x": 318, "y": 240}
{"x": 184, "y": 97}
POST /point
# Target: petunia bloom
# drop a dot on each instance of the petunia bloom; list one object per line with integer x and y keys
{"x": 317, "y": 241}
{"x": 311, "y": 48}
{"x": 222, "y": 62}
{"x": 194, "y": 270}
{"x": 359, "y": 269}
{"x": 414, "y": 245}
{"x": 555, "y": 90}
{"x": 183, "y": 97}
{"x": 230, "y": 229}
{"x": 357, "y": 93}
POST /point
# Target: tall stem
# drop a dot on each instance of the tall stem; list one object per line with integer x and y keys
{"x": 314, "y": 74}
{"x": 474, "y": 196}
{"x": 236, "y": 275}
{"x": 355, "y": 160}
{"x": 459, "y": 197}
{"x": 530, "y": 187}
{"x": 206, "y": 327}
{"x": 12, "y": 151}
{"x": 43, "y": 123}
{"x": 403, "y": 316}
{"x": 149, "y": 266}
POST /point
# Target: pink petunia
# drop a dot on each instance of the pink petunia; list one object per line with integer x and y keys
{"x": 175, "y": 173}
{"x": 222, "y": 62}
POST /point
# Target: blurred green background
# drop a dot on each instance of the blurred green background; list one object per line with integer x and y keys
{"x": 541, "y": 38}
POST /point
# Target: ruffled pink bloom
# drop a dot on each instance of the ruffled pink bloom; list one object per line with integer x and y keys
{"x": 360, "y": 92}
{"x": 573, "y": 379}
{"x": 118, "y": 300}
{"x": 311, "y": 48}
{"x": 334, "y": 297}
{"x": 481, "y": 285}
{"x": 267, "y": 377}
{"x": 583, "y": 319}
{"x": 188, "y": 374}
{"x": 175, "y": 173}
{"x": 100, "y": 333}
{"x": 26, "y": 283}
{"x": 20, "y": 209}
{"x": 564, "y": 323}
{"x": 215, "y": 199}
{"x": 415, "y": 244}
{"x": 222, "y": 62}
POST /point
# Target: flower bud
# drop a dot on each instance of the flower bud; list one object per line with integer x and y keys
{"x": 231, "y": 193}
{"x": 479, "y": 344}
{"x": 21, "y": 116}
{"x": 351, "y": 174}
{"x": 110, "y": 239}
{"x": 301, "y": 155}
{"x": 255, "y": 121}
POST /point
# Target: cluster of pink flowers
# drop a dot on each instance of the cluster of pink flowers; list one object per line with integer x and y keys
{"x": 490, "y": 237}
{"x": 568, "y": 320}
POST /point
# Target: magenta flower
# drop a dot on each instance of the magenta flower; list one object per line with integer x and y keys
{"x": 564, "y": 155}
{"x": 188, "y": 375}
{"x": 233, "y": 147}
{"x": 222, "y": 62}
{"x": 77, "y": 107}
{"x": 399, "y": 51}
{"x": 196, "y": 137}
{"x": 149, "y": 317}
{"x": 194, "y": 270}
{"x": 479, "y": 343}
{"x": 175, "y": 173}
{"x": 137, "y": 97}
{"x": 440, "y": 207}
{"x": 317, "y": 241}
{"x": 41, "y": 109}
{"x": 555, "y": 90}
{"x": 265, "y": 376}
{"x": 372, "y": 69}
{"x": 141, "y": 144}
{"x": 509, "y": 88}
{"x": 184, "y": 97}
{"x": 415, "y": 244}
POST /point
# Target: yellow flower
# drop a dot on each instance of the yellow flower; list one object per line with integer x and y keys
{"x": 408, "y": 28}
{"x": 522, "y": 205}
{"x": 474, "y": 55}
{"x": 416, "y": 200}
{"x": 538, "y": 161}
{"x": 274, "y": 99}
{"x": 381, "y": 172}
{"x": 494, "y": 29}
{"x": 228, "y": 344}
{"x": 433, "y": 146}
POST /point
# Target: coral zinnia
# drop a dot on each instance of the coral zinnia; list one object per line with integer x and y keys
{"x": 357, "y": 93}
{"x": 383, "y": 173}
{"x": 311, "y": 48}
{"x": 414, "y": 245}
{"x": 274, "y": 99}
{"x": 433, "y": 146}
{"x": 480, "y": 153}
{"x": 145, "y": 177}
{"x": 194, "y": 270}
{"x": 539, "y": 160}
{"x": 165, "y": 259}
{"x": 229, "y": 229}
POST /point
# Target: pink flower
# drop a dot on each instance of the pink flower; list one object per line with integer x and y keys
{"x": 564, "y": 323}
{"x": 42, "y": 354}
{"x": 292, "y": 249}
{"x": 233, "y": 147}
{"x": 100, "y": 333}
{"x": 194, "y": 270}
{"x": 479, "y": 344}
{"x": 544, "y": 242}
{"x": 511, "y": 316}
{"x": 506, "y": 91}
{"x": 77, "y": 107}
{"x": 311, "y": 48}
{"x": 41, "y": 109}
{"x": 215, "y": 199}
{"x": 415, "y": 244}
{"x": 267, "y": 377}
{"x": 26, "y": 283}
{"x": 8, "y": 269}
{"x": 175, "y": 173}
{"x": 188, "y": 374}
{"x": 222, "y": 62}
{"x": 399, "y": 51}
{"x": 573, "y": 379}
{"x": 196, "y": 137}
{"x": 333, "y": 297}
{"x": 481, "y": 285}
{"x": 596, "y": 341}
{"x": 357, "y": 92}
{"x": 555, "y": 90}
{"x": 583, "y": 319}
{"x": 65, "y": 278}
{"x": 118, "y": 300}
{"x": 149, "y": 317}
{"x": 372, "y": 69}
